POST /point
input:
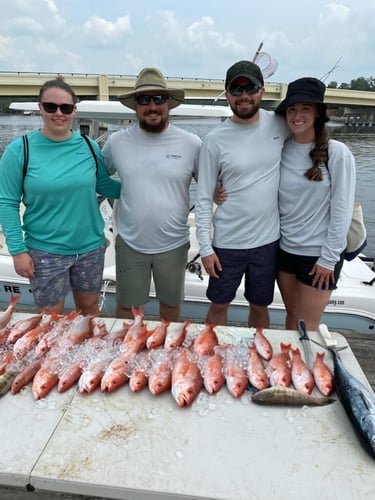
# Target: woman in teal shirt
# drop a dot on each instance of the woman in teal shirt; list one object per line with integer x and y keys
{"x": 59, "y": 245}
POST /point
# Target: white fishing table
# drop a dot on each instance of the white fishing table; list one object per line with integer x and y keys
{"x": 139, "y": 447}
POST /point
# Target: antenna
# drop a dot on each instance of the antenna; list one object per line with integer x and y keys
{"x": 334, "y": 67}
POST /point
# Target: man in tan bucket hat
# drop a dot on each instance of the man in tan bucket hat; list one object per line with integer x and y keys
{"x": 156, "y": 162}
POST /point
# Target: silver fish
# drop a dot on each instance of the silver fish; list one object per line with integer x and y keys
{"x": 358, "y": 402}
{"x": 279, "y": 395}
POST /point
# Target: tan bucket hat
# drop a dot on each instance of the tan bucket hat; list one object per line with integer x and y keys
{"x": 151, "y": 79}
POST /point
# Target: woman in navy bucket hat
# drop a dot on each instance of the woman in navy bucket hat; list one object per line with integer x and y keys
{"x": 316, "y": 197}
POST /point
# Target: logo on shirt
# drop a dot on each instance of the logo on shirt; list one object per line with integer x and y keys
{"x": 174, "y": 157}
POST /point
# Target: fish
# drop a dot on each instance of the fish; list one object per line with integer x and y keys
{"x": 157, "y": 336}
{"x": 7, "y": 315}
{"x": 92, "y": 375}
{"x": 235, "y": 372}
{"x": 279, "y": 368}
{"x": 206, "y": 341}
{"x": 322, "y": 375}
{"x": 137, "y": 334}
{"x": 176, "y": 334}
{"x": 22, "y": 326}
{"x": 280, "y": 395}
{"x": 4, "y": 333}
{"x": 69, "y": 376}
{"x": 160, "y": 373}
{"x": 302, "y": 377}
{"x": 213, "y": 373}
{"x": 256, "y": 371}
{"x": 25, "y": 376}
{"x": 31, "y": 338}
{"x": 6, "y": 380}
{"x": 262, "y": 344}
{"x": 46, "y": 378}
{"x": 6, "y": 361}
{"x": 357, "y": 400}
{"x": 115, "y": 374}
{"x": 187, "y": 380}
{"x": 138, "y": 371}
{"x": 53, "y": 336}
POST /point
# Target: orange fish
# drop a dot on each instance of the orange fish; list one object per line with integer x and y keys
{"x": 234, "y": 372}
{"x": 206, "y": 340}
{"x": 137, "y": 334}
{"x": 176, "y": 335}
{"x": 186, "y": 378}
{"x": 22, "y": 326}
{"x": 54, "y": 335}
{"x": 115, "y": 374}
{"x": 302, "y": 376}
{"x": 6, "y": 361}
{"x": 279, "y": 369}
{"x": 69, "y": 376}
{"x": 5, "y": 318}
{"x": 138, "y": 372}
{"x": 92, "y": 375}
{"x": 157, "y": 336}
{"x": 31, "y": 338}
{"x": 262, "y": 344}
{"x": 160, "y": 373}
{"x": 45, "y": 378}
{"x": 256, "y": 370}
{"x": 26, "y": 375}
{"x": 322, "y": 375}
{"x": 213, "y": 373}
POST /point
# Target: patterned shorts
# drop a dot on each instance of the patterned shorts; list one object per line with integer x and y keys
{"x": 56, "y": 275}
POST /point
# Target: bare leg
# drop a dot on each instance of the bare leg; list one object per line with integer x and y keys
{"x": 258, "y": 316}
{"x": 289, "y": 289}
{"x": 170, "y": 313}
{"x": 124, "y": 312}
{"x": 311, "y": 305}
{"x": 57, "y": 308}
{"x": 86, "y": 303}
{"x": 217, "y": 314}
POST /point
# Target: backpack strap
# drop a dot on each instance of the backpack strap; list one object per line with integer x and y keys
{"x": 92, "y": 151}
{"x": 25, "y": 141}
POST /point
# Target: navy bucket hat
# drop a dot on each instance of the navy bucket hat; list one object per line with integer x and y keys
{"x": 307, "y": 90}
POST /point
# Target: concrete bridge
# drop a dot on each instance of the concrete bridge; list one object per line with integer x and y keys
{"x": 23, "y": 86}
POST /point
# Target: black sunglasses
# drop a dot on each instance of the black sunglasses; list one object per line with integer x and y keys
{"x": 145, "y": 99}
{"x": 250, "y": 88}
{"x": 51, "y": 107}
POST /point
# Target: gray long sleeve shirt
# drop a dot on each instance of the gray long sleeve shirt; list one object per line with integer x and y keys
{"x": 246, "y": 158}
{"x": 315, "y": 215}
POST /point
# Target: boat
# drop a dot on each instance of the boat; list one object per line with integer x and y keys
{"x": 352, "y": 304}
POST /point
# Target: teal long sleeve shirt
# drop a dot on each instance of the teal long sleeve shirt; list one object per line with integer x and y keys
{"x": 61, "y": 214}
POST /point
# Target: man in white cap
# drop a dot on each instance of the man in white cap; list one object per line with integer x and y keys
{"x": 243, "y": 152}
{"x": 156, "y": 162}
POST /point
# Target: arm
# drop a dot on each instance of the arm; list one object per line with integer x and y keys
{"x": 207, "y": 182}
{"x": 105, "y": 185}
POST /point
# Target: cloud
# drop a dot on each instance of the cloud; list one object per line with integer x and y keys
{"x": 102, "y": 32}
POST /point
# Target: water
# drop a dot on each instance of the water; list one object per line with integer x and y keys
{"x": 362, "y": 147}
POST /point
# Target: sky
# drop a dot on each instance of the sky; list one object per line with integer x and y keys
{"x": 331, "y": 40}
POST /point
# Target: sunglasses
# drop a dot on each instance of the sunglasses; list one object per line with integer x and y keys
{"x": 145, "y": 99}
{"x": 51, "y": 107}
{"x": 237, "y": 90}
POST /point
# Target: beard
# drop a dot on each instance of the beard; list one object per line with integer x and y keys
{"x": 154, "y": 128}
{"x": 245, "y": 115}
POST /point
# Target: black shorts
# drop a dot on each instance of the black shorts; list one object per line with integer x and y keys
{"x": 301, "y": 265}
{"x": 257, "y": 265}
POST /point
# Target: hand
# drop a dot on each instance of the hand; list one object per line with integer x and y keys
{"x": 322, "y": 277}
{"x": 24, "y": 265}
{"x": 220, "y": 194}
{"x": 211, "y": 263}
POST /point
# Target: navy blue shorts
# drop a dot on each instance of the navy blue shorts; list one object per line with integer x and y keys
{"x": 256, "y": 265}
{"x": 301, "y": 265}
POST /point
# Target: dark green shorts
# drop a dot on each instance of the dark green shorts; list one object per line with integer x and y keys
{"x": 134, "y": 271}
